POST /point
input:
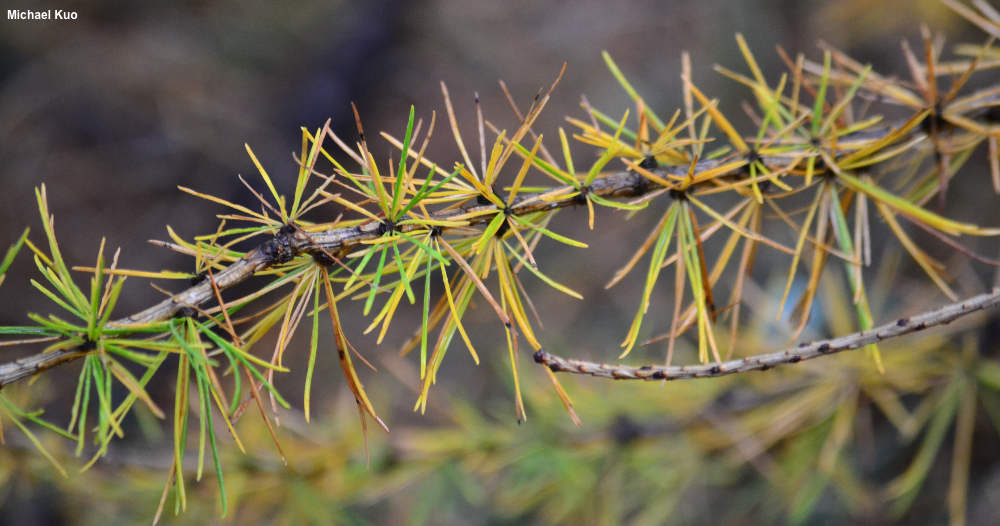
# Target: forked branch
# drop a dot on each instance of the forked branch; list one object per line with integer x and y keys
{"x": 291, "y": 242}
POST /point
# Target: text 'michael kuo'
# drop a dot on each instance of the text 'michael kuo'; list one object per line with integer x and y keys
{"x": 49, "y": 14}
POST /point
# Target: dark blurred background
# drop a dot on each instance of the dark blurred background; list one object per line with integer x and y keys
{"x": 114, "y": 110}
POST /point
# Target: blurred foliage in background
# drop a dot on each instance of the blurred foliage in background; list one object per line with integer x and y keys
{"x": 116, "y": 109}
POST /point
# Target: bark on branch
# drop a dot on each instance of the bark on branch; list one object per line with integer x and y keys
{"x": 763, "y": 362}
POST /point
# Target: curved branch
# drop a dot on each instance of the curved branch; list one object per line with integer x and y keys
{"x": 763, "y": 362}
{"x": 290, "y": 243}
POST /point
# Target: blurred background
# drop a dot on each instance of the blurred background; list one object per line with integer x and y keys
{"x": 112, "y": 111}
